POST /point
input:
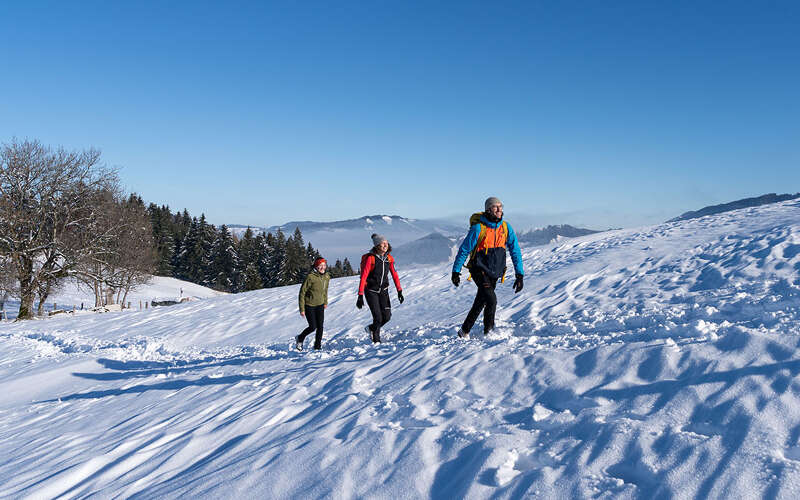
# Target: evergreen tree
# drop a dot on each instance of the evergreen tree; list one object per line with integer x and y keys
{"x": 249, "y": 255}
{"x": 166, "y": 249}
{"x": 347, "y": 268}
{"x": 225, "y": 262}
{"x": 311, "y": 254}
{"x": 337, "y": 271}
{"x": 261, "y": 258}
{"x": 177, "y": 243}
{"x": 162, "y": 237}
{"x": 295, "y": 266}
{"x": 179, "y": 229}
{"x": 252, "y": 278}
{"x": 186, "y": 220}
{"x": 247, "y": 249}
{"x": 277, "y": 260}
{"x": 207, "y": 234}
{"x": 186, "y": 261}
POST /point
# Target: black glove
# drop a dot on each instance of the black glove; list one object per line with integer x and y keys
{"x": 400, "y": 296}
{"x": 360, "y": 302}
{"x": 456, "y": 278}
{"x": 518, "y": 283}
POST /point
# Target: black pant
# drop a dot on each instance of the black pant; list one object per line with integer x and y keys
{"x": 315, "y": 316}
{"x": 381, "y": 310}
{"x": 485, "y": 300}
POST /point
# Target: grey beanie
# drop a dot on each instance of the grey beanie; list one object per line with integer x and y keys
{"x": 491, "y": 201}
{"x": 378, "y": 238}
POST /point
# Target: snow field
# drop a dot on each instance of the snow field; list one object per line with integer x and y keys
{"x": 650, "y": 363}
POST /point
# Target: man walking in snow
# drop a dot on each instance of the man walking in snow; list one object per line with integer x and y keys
{"x": 485, "y": 245}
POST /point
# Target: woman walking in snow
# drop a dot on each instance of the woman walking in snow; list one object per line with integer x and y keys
{"x": 313, "y": 302}
{"x": 374, "y": 284}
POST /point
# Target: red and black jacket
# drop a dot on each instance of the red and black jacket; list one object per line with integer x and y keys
{"x": 375, "y": 273}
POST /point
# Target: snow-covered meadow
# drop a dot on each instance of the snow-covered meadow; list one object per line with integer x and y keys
{"x": 651, "y": 363}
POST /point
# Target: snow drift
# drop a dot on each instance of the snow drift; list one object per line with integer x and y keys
{"x": 650, "y": 363}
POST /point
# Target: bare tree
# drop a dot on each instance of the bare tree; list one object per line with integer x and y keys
{"x": 127, "y": 258}
{"x": 136, "y": 254}
{"x": 7, "y": 281}
{"x": 47, "y": 287}
{"x": 48, "y": 219}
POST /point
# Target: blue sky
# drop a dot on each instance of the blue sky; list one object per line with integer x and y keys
{"x": 601, "y": 113}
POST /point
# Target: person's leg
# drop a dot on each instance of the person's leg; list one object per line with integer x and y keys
{"x": 373, "y": 301}
{"x": 386, "y": 307}
{"x": 311, "y": 324}
{"x": 490, "y": 298}
{"x": 320, "y": 319}
{"x": 477, "y": 305}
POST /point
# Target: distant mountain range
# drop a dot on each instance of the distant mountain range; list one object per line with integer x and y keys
{"x": 735, "y": 205}
{"x": 414, "y": 241}
{"x": 351, "y": 238}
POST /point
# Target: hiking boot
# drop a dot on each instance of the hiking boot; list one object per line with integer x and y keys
{"x": 462, "y": 334}
{"x": 298, "y": 344}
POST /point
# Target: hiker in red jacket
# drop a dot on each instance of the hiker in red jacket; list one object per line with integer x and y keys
{"x": 375, "y": 268}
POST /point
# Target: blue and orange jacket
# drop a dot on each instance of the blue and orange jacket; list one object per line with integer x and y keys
{"x": 489, "y": 249}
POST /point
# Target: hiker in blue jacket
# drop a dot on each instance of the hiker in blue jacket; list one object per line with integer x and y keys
{"x": 485, "y": 245}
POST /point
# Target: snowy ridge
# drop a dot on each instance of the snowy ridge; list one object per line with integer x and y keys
{"x": 658, "y": 362}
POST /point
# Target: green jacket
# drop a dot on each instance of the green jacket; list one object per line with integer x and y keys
{"x": 314, "y": 291}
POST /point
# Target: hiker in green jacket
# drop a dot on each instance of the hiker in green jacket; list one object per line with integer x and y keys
{"x": 313, "y": 302}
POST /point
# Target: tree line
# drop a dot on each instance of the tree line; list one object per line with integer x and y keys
{"x": 64, "y": 216}
{"x": 191, "y": 249}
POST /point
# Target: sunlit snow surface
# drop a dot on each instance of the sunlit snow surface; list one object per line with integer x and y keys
{"x": 650, "y": 363}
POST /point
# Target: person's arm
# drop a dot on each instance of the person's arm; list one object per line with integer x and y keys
{"x": 513, "y": 247}
{"x": 466, "y": 247}
{"x": 303, "y": 290}
{"x": 366, "y": 268}
{"x": 327, "y": 282}
{"x": 395, "y": 277}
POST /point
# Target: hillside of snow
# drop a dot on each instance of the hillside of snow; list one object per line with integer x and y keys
{"x": 73, "y": 294}
{"x": 658, "y": 362}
